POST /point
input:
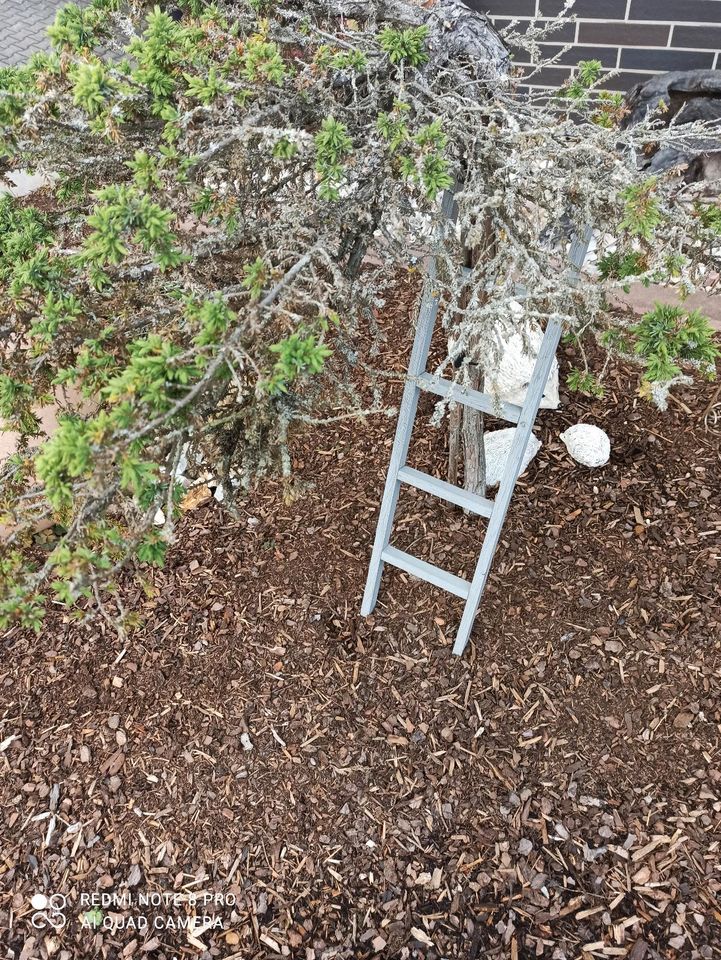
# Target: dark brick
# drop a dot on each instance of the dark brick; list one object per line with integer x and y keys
{"x": 504, "y": 8}
{"x": 624, "y": 80}
{"x": 660, "y": 61}
{"x": 707, "y": 38}
{"x": 607, "y": 55}
{"x": 549, "y": 76}
{"x": 690, "y": 11}
{"x": 567, "y": 33}
{"x": 587, "y": 9}
{"x": 623, "y": 34}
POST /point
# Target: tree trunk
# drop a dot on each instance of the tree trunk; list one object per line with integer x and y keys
{"x": 474, "y": 451}
{"x": 466, "y": 425}
{"x": 454, "y": 442}
{"x": 466, "y": 430}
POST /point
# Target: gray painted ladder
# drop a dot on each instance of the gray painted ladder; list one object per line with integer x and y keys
{"x": 400, "y": 473}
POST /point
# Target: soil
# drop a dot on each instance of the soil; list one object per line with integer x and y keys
{"x": 343, "y": 787}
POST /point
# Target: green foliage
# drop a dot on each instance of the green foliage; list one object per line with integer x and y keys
{"x": 40, "y": 272}
{"x": 284, "y": 149}
{"x": 332, "y": 146}
{"x": 434, "y": 175}
{"x": 93, "y": 364}
{"x": 669, "y": 336}
{"x": 255, "y": 277}
{"x": 214, "y": 318}
{"x": 617, "y": 340}
{"x": 15, "y": 86}
{"x": 588, "y": 73}
{"x": 422, "y": 156}
{"x": 16, "y": 399}
{"x": 19, "y": 603}
{"x": 583, "y": 381}
{"x": 194, "y": 7}
{"x": 206, "y": 88}
{"x": 63, "y": 458}
{"x": 152, "y": 549}
{"x": 353, "y": 60}
{"x": 710, "y": 216}
{"x": 262, "y": 60}
{"x": 92, "y": 87}
{"x": 393, "y": 127}
{"x": 145, "y": 170}
{"x": 164, "y": 47}
{"x": 58, "y": 309}
{"x": 125, "y": 214}
{"x": 71, "y": 189}
{"x": 154, "y": 376}
{"x": 405, "y": 45}
{"x": 136, "y": 475}
{"x": 79, "y": 28}
{"x": 621, "y": 264}
{"x": 298, "y": 355}
{"x": 642, "y": 214}
{"x": 609, "y": 109}
{"x": 22, "y": 231}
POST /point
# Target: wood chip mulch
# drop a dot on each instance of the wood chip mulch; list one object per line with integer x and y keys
{"x": 340, "y": 787}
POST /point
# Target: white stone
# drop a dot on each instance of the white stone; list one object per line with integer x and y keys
{"x": 515, "y": 368}
{"x": 498, "y": 445}
{"x": 245, "y": 742}
{"x": 19, "y": 183}
{"x": 159, "y": 518}
{"x": 587, "y": 444}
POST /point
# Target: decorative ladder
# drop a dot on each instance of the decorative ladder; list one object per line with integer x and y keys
{"x": 399, "y": 473}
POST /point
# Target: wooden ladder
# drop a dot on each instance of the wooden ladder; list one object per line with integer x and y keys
{"x": 524, "y": 418}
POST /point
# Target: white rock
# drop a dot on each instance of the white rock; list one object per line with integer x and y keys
{"x": 498, "y": 446}
{"x": 515, "y": 368}
{"x": 20, "y": 183}
{"x": 587, "y": 444}
{"x": 219, "y": 493}
{"x": 182, "y": 461}
{"x": 159, "y": 518}
{"x": 245, "y": 742}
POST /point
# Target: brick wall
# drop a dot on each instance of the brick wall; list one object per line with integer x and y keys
{"x": 637, "y": 37}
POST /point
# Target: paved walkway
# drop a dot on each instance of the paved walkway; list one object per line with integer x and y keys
{"x": 23, "y": 26}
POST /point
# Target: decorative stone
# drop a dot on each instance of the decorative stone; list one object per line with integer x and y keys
{"x": 498, "y": 445}
{"x": 515, "y": 368}
{"x": 587, "y": 445}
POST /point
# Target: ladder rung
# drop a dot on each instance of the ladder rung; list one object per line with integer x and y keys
{"x": 426, "y": 571}
{"x": 446, "y": 491}
{"x": 471, "y": 398}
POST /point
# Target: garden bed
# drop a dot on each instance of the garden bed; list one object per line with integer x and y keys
{"x": 556, "y": 788}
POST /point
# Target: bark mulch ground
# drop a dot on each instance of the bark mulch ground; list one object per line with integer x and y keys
{"x": 319, "y": 785}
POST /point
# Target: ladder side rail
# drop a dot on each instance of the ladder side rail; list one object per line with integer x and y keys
{"x": 534, "y": 394}
{"x": 406, "y": 417}
{"x": 399, "y": 453}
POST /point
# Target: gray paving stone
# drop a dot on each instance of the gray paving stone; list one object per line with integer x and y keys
{"x": 23, "y": 28}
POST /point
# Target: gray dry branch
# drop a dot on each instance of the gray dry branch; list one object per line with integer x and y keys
{"x": 194, "y": 277}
